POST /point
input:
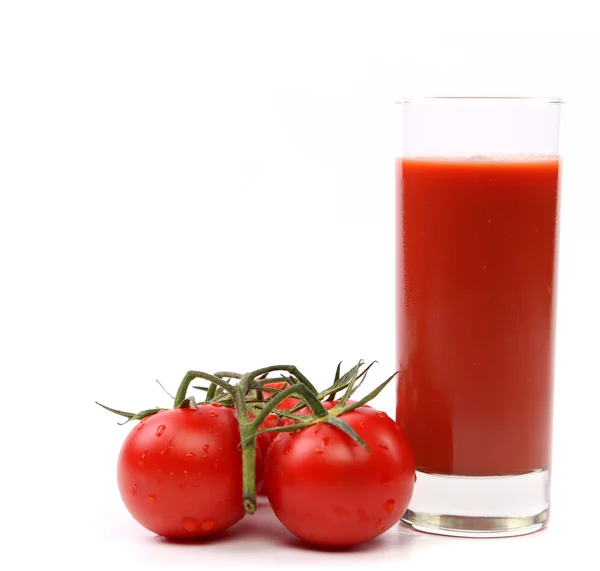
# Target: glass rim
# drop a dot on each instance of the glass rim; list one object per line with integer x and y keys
{"x": 488, "y": 99}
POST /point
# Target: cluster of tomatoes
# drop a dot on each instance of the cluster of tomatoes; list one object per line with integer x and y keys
{"x": 336, "y": 472}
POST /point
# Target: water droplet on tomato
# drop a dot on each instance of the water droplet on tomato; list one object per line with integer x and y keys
{"x": 382, "y": 415}
{"x": 379, "y": 525}
{"x": 168, "y": 447}
{"x": 190, "y": 455}
{"x": 384, "y": 447}
{"x": 287, "y": 450}
{"x": 205, "y": 447}
{"x": 216, "y": 404}
{"x": 196, "y": 485}
{"x": 160, "y": 430}
{"x": 190, "y": 523}
{"x": 133, "y": 490}
{"x": 141, "y": 424}
{"x": 207, "y": 524}
{"x": 172, "y": 474}
{"x": 185, "y": 472}
{"x": 143, "y": 456}
{"x": 321, "y": 448}
{"x": 213, "y": 413}
{"x": 390, "y": 506}
{"x": 152, "y": 497}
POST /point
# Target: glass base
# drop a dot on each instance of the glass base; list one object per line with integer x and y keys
{"x": 487, "y": 506}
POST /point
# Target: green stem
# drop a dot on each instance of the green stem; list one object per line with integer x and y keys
{"x": 189, "y": 377}
{"x": 210, "y": 394}
{"x": 248, "y": 442}
{"x": 318, "y": 410}
{"x": 130, "y": 415}
{"x": 349, "y": 388}
{"x": 164, "y": 389}
{"x": 259, "y": 383}
{"x": 337, "y": 373}
{"x": 228, "y": 375}
{"x": 279, "y": 412}
{"x": 339, "y": 384}
{"x": 248, "y": 429}
{"x": 244, "y": 383}
{"x": 344, "y": 409}
{"x": 288, "y": 369}
{"x": 284, "y": 428}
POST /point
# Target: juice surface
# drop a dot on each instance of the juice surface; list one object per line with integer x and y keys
{"x": 476, "y": 282}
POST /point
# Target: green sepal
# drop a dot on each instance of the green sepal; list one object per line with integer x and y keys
{"x": 130, "y": 415}
{"x": 346, "y": 429}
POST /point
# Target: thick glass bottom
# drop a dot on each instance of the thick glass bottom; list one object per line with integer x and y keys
{"x": 487, "y": 506}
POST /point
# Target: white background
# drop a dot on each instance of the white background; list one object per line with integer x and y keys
{"x": 208, "y": 185}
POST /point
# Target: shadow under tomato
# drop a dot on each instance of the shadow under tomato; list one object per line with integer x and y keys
{"x": 396, "y": 538}
{"x": 301, "y": 545}
{"x": 263, "y": 529}
{"x": 219, "y": 537}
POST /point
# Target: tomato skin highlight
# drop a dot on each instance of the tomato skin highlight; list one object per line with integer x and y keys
{"x": 329, "y": 491}
{"x": 179, "y": 472}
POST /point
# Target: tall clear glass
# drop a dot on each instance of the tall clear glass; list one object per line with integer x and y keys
{"x": 478, "y": 184}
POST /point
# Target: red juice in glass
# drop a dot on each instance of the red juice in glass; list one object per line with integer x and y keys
{"x": 476, "y": 282}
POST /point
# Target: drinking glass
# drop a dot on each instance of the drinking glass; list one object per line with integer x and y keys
{"x": 478, "y": 185}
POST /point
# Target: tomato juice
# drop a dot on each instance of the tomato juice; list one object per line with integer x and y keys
{"x": 476, "y": 280}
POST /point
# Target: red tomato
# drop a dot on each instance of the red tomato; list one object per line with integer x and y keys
{"x": 330, "y": 491}
{"x": 180, "y": 471}
{"x": 264, "y": 440}
{"x": 288, "y": 402}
